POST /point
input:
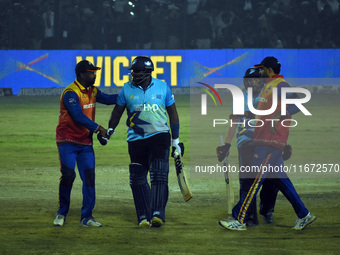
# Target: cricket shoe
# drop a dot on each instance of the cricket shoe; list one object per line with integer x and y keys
{"x": 90, "y": 222}
{"x": 59, "y": 220}
{"x": 268, "y": 218}
{"x": 156, "y": 222}
{"x": 301, "y": 223}
{"x": 144, "y": 223}
{"x": 233, "y": 224}
{"x": 251, "y": 223}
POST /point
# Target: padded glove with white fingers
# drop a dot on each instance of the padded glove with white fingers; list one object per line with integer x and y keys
{"x": 177, "y": 147}
{"x": 222, "y": 151}
{"x": 103, "y": 140}
{"x": 110, "y": 132}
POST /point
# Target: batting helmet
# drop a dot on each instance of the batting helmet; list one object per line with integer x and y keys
{"x": 252, "y": 73}
{"x": 252, "y": 78}
{"x": 141, "y": 69}
{"x": 142, "y": 63}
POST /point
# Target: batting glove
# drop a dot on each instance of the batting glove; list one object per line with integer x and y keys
{"x": 177, "y": 147}
{"x": 287, "y": 152}
{"x": 222, "y": 151}
{"x": 110, "y": 132}
{"x": 103, "y": 140}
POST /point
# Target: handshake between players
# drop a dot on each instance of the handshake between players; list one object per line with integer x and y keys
{"x": 103, "y": 139}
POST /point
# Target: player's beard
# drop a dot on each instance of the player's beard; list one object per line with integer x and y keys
{"x": 91, "y": 82}
{"x": 140, "y": 79}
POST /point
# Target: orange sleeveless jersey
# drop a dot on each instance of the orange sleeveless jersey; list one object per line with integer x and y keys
{"x": 262, "y": 135}
{"x": 67, "y": 130}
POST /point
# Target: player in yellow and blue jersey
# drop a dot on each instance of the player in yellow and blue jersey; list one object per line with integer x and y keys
{"x": 75, "y": 143}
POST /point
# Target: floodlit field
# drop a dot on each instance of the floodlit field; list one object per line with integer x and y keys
{"x": 29, "y": 174}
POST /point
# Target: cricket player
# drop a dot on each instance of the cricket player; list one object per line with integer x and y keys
{"x": 245, "y": 145}
{"x": 74, "y": 140}
{"x": 148, "y": 101}
{"x": 270, "y": 139}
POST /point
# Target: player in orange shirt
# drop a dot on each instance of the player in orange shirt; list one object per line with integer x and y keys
{"x": 74, "y": 140}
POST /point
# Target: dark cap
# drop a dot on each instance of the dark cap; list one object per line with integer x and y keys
{"x": 86, "y": 66}
{"x": 141, "y": 63}
{"x": 269, "y": 62}
{"x": 252, "y": 73}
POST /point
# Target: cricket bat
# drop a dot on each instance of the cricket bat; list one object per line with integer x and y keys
{"x": 181, "y": 177}
{"x": 230, "y": 192}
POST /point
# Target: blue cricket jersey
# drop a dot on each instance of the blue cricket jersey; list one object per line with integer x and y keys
{"x": 146, "y": 108}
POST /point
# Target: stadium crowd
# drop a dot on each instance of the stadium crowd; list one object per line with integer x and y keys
{"x": 168, "y": 24}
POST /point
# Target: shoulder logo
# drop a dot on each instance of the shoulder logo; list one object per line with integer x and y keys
{"x": 72, "y": 100}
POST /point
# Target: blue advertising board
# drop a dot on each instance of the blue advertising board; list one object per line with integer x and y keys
{"x": 45, "y": 69}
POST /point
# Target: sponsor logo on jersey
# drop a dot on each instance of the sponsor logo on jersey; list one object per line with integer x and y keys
{"x": 138, "y": 107}
{"x": 88, "y": 106}
{"x": 146, "y": 107}
{"x": 263, "y": 100}
{"x": 156, "y": 97}
{"x": 151, "y": 107}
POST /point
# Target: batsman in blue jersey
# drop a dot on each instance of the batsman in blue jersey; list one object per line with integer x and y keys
{"x": 246, "y": 147}
{"x": 148, "y": 102}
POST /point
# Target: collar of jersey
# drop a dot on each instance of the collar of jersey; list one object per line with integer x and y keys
{"x": 274, "y": 77}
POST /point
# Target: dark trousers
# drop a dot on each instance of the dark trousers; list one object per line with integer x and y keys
{"x": 150, "y": 155}
{"x": 147, "y": 150}
{"x": 268, "y": 192}
{"x": 269, "y": 156}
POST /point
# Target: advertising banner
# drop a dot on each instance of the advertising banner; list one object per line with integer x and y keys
{"x": 48, "y": 69}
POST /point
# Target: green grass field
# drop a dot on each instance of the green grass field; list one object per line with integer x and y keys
{"x": 29, "y": 174}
